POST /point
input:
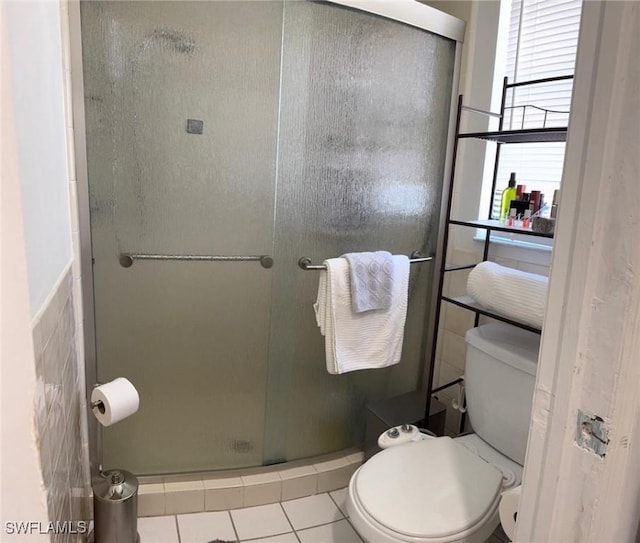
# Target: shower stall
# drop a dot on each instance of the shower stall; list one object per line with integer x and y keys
{"x": 273, "y": 129}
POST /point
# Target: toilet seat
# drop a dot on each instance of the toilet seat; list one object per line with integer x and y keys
{"x": 511, "y": 471}
{"x": 434, "y": 490}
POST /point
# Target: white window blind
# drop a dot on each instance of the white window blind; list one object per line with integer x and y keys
{"x": 542, "y": 42}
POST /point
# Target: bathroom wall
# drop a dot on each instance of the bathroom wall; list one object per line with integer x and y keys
{"x": 59, "y": 402}
{"x": 35, "y": 50}
{"x": 41, "y": 84}
{"x": 479, "y": 54}
{"x": 22, "y": 496}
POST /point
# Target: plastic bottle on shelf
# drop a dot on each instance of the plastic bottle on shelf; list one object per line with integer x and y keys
{"x": 507, "y": 195}
{"x": 535, "y": 201}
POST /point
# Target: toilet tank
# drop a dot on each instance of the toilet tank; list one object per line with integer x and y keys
{"x": 500, "y": 374}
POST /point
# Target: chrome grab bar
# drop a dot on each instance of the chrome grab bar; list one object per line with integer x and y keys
{"x": 305, "y": 262}
{"x": 127, "y": 259}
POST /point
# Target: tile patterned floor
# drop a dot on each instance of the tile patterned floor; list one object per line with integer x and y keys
{"x": 315, "y": 519}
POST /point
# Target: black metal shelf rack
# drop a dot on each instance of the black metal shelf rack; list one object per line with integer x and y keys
{"x": 534, "y": 135}
{"x": 500, "y": 137}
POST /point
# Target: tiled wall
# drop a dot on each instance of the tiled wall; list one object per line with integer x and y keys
{"x": 59, "y": 400}
{"x": 455, "y": 321}
{"x": 75, "y": 228}
{"x": 59, "y": 353}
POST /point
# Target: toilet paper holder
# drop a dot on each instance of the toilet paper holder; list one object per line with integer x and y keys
{"x": 114, "y": 401}
{"x": 115, "y": 492}
{"x": 98, "y": 403}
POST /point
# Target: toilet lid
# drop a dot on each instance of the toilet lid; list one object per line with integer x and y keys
{"x": 430, "y": 488}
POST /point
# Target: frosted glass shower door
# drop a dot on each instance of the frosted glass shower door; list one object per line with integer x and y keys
{"x": 192, "y": 336}
{"x": 362, "y": 145}
{"x": 289, "y": 129}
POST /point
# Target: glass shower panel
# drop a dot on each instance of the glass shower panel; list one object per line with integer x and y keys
{"x": 363, "y": 133}
{"x": 192, "y": 336}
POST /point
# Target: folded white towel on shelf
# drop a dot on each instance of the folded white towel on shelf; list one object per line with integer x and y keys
{"x": 358, "y": 341}
{"x": 371, "y": 276}
{"x": 518, "y": 295}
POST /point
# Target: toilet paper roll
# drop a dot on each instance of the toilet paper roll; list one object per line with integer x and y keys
{"x": 114, "y": 401}
{"x": 508, "y": 510}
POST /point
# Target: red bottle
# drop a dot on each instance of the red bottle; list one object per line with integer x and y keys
{"x": 535, "y": 201}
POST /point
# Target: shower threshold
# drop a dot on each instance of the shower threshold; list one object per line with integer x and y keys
{"x": 223, "y": 490}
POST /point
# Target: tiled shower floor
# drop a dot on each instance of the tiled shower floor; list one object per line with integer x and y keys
{"x": 315, "y": 519}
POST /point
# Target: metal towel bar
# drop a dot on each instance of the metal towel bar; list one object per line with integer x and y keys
{"x": 305, "y": 261}
{"x": 127, "y": 260}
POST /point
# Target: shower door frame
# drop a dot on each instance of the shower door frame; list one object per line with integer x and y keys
{"x": 409, "y": 12}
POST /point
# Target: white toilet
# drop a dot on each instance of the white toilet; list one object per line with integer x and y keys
{"x": 440, "y": 490}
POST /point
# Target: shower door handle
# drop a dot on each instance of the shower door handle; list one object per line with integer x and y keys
{"x": 127, "y": 259}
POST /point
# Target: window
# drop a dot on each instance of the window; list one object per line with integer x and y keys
{"x": 542, "y": 42}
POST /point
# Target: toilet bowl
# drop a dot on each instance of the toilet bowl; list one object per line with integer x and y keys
{"x": 443, "y": 490}
{"x": 437, "y": 490}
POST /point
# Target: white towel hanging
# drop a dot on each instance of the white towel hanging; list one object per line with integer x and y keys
{"x": 357, "y": 341}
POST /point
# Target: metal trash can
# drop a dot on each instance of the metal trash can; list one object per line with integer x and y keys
{"x": 115, "y": 507}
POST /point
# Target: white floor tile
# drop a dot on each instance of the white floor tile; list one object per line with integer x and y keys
{"x": 340, "y": 497}
{"x": 261, "y": 521}
{"x": 337, "y": 532}
{"x": 282, "y": 538}
{"x": 158, "y": 529}
{"x": 311, "y": 511}
{"x": 205, "y": 527}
